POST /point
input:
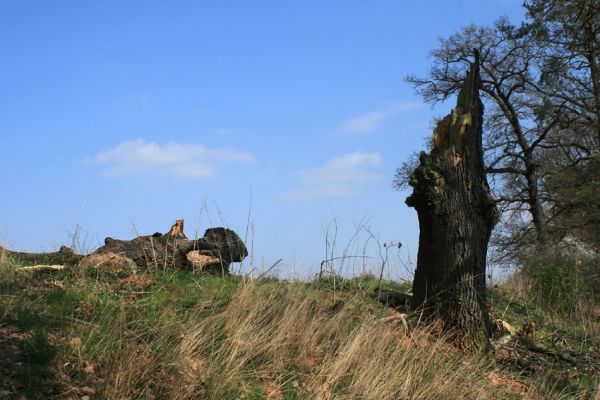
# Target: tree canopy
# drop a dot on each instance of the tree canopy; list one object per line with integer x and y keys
{"x": 540, "y": 85}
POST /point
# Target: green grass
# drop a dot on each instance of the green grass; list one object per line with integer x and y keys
{"x": 179, "y": 335}
{"x": 581, "y": 377}
{"x": 364, "y": 284}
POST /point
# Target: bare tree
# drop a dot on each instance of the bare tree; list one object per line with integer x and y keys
{"x": 519, "y": 117}
{"x": 568, "y": 31}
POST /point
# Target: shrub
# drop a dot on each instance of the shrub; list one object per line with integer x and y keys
{"x": 557, "y": 285}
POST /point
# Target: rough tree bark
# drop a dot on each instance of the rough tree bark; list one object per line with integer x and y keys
{"x": 456, "y": 216}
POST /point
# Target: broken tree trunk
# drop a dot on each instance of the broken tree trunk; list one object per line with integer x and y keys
{"x": 221, "y": 246}
{"x": 456, "y": 217}
{"x": 177, "y": 230}
{"x": 212, "y": 253}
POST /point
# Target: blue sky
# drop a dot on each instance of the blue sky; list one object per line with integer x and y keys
{"x": 126, "y": 115}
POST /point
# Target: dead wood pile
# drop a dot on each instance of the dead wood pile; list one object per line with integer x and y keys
{"x": 213, "y": 253}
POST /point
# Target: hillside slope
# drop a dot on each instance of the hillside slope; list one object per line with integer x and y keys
{"x": 84, "y": 334}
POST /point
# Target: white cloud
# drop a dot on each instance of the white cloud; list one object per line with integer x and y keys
{"x": 368, "y": 122}
{"x": 341, "y": 176}
{"x": 189, "y": 161}
{"x": 364, "y": 123}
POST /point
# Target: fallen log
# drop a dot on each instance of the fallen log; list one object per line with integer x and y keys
{"x": 64, "y": 256}
{"x": 218, "y": 242}
{"x": 213, "y": 253}
{"x": 220, "y": 246}
{"x": 41, "y": 268}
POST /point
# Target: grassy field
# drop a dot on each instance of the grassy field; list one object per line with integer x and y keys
{"x": 88, "y": 334}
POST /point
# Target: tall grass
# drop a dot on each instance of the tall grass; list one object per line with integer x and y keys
{"x": 176, "y": 335}
{"x": 559, "y": 288}
{"x": 277, "y": 341}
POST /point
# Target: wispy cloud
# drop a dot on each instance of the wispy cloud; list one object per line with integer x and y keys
{"x": 177, "y": 160}
{"x": 370, "y": 121}
{"x": 341, "y": 176}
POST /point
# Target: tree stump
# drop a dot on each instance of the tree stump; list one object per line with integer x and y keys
{"x": 456, "y": 217}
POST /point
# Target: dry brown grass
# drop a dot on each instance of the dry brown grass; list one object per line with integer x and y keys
{"x": 266, "y": 340}
{"x": 284, "y": 339}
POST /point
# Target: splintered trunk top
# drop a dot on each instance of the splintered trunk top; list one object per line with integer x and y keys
{"x": 456, "y": 217}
